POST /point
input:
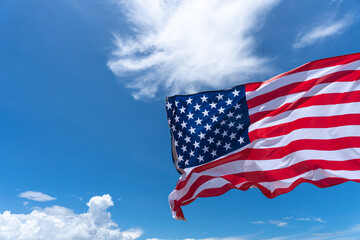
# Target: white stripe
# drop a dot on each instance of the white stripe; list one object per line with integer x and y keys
{"x": 314, "y": 175}
{"x": 306, "y": 133}
{"x": 241, "y": 165}
{"x": 301, "y": 77}
{"x": 319, "y": 89}
{"x": 312, "y": 111}
{"x": 212, "y": 183}
{"x": 281, "y": 141}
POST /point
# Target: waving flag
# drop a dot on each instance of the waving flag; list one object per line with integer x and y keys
{"x": 300, "y": 126}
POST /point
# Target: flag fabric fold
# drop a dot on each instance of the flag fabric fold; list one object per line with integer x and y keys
{"x": 300, "y": 126}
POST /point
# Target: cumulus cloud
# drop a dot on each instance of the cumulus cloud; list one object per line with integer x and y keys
{"x": 36, "y": 196}
{"x": 59, "y": 223}
{"x": 323, "y": 31}
{"x": 186, "y": 46}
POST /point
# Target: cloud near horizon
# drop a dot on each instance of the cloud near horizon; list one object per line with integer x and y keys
{"x": 188, "y": 46}
{"x": 59, "y": 223}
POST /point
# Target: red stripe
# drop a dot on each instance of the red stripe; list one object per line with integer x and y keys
{"x": 318, "y": 100}
{"x": 322, "y": 63}
{"x": 249, "y": 87}
{"x": 326, "y": 182}
{"x": 298, "y": 145}
{"x": 211, "y": 192}
{"x": 297, "y": 169}
{"x": 273, "y": 153}
{"x": 308, "y": 122}
{"x": 297, "y": 87}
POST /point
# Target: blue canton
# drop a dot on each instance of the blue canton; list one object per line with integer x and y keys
{"x": 206, "y": 126}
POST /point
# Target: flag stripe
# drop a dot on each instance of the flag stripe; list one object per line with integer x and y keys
{"x": 304, "y": 123}
{"x": 311, "y": 111}
{"x": 299, "y": 74}
{"x": 296, "y": 87}
{"x": 327, "y": 88}
{"x": 219, "y": 185}
{"x": 236, "y": 163}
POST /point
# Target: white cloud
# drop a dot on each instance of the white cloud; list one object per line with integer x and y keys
{"x": 36, "y": 196}
{"x": 186, "y": 46}
{"x": 323, "y": 31}
{"x": 286, "y": 220}
{"x": 59, "y": 223}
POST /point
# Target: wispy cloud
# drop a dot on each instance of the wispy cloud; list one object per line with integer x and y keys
{"x": 323, "y": 31}
{"x": 287, "y": 220}
{"x": 186, "y": 46}
{"x": 58, "y": 223}
{"x": 36, "y": 196}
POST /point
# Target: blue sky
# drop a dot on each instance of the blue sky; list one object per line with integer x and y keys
{"x": 84, "y": 138}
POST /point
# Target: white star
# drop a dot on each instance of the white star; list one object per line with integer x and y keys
{"x": 221, "y": 110}
{"x": 180, "y": 158}
{"x": 190, "y": 116}
{"x": 219, "y": 97}
{"x": 213, "y": 105}
{"x": 189, "y": 100}
{"x": 241, "y": 140}
{"x": 232, "y": 136}
{"x": 240, "y": 126}
{"x": 214, "y": 118}
{"x": 206, "y": 113}
{"x": 200, "y": 158}
{"x": 183, "y": 148}
{"x": 169, "y": 121}
{"x": 204, "y": 99}
{"x": 198, "y": 121}
{"x": 228, "y": 102}
{"x": 205, "y": 149}
{"x": 210, "y": 140}
{"x": 224, "y": 134}
{"x": 187, "y": 139}
{"x": 173, "y": 128}
{"x": 196, "y": 144}
{"x": 230, "y": 114}
{"x": 176, "y": 103}
{"x": 217, "y": 131}
{"x": 173, "y": 113}
{"x": 222, "y": 122}
{"x": 197, "y": 107}
{"x": 168, "y": 105}
{"x": 176, "y": 143}
{"x": 231, "y": 124}
{"x": 238, "y": 116}
{"x": 218, "y": 143}
{"x": 183, "y": 125}
{"x": 192, "y": 130}
{"x": 177, "y": 118}
{"x": 179, "y": 134}
{"x": 236, "y": 93}
{"x": 237, "y": 106}
{"x": 182, "y": 109}
{"x": 213, "y": 153}
{"x": 227, "y": 146}
{"x": 207, "y": 127}
{"x": 191, "y": 153}
{"x": 186, "y": 162}
{"x": 201, "y": 135}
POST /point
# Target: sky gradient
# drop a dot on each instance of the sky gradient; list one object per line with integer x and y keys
{"x": 84, "y": 137}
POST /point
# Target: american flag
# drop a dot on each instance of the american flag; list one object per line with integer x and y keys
{"x": 300, "y": 126}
